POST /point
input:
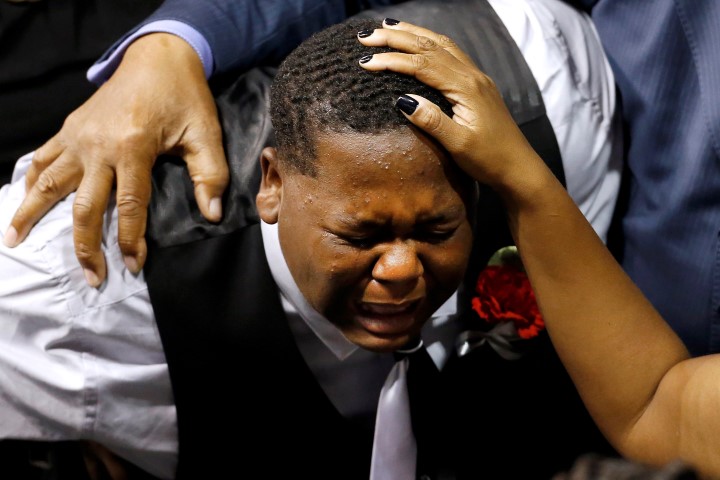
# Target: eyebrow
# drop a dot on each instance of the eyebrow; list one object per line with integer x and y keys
{"x": 352, "y": 222}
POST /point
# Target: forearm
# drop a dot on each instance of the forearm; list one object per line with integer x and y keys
{"x": 624, "y": 359}
{"x": 682, "y": 421}
{"x": 244, "y": 34}
{"x": 614, "y": 344}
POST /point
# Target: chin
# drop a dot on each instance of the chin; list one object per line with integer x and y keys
{"x": 380, "y": 344}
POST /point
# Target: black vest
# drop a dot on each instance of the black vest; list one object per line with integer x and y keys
{"x": 235, "y": 369}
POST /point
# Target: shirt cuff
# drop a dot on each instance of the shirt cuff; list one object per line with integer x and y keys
{"x": 101, "y": 71}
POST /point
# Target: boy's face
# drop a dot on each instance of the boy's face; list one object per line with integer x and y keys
{"x": 379, "y": 239}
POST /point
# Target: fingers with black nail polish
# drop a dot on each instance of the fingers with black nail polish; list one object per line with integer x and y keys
{"x": 366, "y": 58}
{"x": 406, "y": 104}
{"x": 391, "y": 21}
{"x": 365, "y": 33}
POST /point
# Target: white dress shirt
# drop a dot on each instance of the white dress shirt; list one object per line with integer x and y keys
{"x": 84, "y": 363}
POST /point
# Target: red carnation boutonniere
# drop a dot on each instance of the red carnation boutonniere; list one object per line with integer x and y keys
{"x": 505, "y": 299}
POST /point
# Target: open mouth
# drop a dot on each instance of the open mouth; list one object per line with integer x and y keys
{"x": 387, "y": 318}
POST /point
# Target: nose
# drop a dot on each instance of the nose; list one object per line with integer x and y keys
{"x": 398, "y": 264}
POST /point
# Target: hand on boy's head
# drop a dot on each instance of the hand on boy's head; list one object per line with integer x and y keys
{"x": 479, "y": 112}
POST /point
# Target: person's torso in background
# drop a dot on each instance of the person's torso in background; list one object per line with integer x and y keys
{"x": 45, "y": 49}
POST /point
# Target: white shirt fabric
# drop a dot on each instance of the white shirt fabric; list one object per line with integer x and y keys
{"x": 563, "y": 51}
{"x": 84, "y": 363}
{"x": 78, "y": 362}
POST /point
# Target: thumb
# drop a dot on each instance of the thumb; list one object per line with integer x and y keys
{"x": 208, "y": 169}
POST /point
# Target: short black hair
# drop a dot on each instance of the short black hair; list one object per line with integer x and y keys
{"x": 320, "y": 87}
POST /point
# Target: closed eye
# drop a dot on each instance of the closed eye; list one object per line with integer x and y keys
{"x": 361, "y": 241}
{"x": 435, "y": 236}
{"x": 372, "y": 239}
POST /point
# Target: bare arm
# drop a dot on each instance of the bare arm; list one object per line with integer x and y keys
{"x": 632, "y": 371}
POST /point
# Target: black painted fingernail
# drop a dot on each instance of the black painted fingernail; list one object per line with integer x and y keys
{"x": 366, "y": 59}
{"x": 406, "y": 104}
{"x": 365, "y": 33}
{"x": 391, "y": 21}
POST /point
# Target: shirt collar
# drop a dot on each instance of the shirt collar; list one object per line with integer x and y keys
{"x": 328, "y": 333}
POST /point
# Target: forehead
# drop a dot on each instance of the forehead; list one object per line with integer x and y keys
{"x": 399, "y": 154}
{"x": 403, "y": 147}
{"x": 385, "y": 172}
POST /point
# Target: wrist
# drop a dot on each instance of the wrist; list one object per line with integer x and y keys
{"x": 525, "y": 181}
{"x": 159, "y": 49}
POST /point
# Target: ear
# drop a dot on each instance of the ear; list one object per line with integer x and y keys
{"x": 269, "y": 198}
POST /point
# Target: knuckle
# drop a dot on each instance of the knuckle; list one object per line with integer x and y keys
{"x": 84, "y": 252}
{"x": 129, "y": 138}
{"x": 121, "y": 142}
{"x": 210, "y": 177}
{"x": 130, "y": 205}
{"x": 83, "y": 210}
{"x": 419, "y": 61}
{"x": 132, "y": 135}
{"x": 76, "y": 132}
{"x": 486, "y": 82}
{"x": 47, "y": 185}
{"x": 432, "y": 119}
{"x": 40, "y": 161}
{"x": 128, "y": 244}
{"x": 426, "y": 43}
{"x": 204, "y": 131}
{"x": 72, "y": 121}
{"x": 446, "y": 42}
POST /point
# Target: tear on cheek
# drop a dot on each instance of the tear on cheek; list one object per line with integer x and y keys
{"x": 341, "y": 266}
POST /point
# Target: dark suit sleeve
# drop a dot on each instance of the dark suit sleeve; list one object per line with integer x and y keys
{"x": 248, "y": 33}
